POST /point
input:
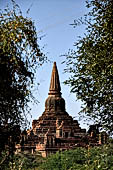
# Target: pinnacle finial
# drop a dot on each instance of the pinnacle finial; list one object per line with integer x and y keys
{"x": 55, "y": 83}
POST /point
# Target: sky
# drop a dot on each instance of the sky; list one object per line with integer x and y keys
{"x": 52, "y": 19}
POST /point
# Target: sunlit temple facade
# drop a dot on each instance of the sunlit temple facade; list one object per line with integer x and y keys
{"x": 55, "y": 129}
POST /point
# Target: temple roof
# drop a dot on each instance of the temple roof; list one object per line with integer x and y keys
{"x": 55, "y": 83}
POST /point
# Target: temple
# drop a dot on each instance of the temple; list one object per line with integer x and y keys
{"x": 55, "y": 129}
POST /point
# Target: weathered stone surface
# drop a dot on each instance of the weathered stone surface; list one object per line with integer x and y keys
{"x": 55, "y": 129}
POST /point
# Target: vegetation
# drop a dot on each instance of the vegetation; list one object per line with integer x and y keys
{"x": 90, "y": 65}
{"x": 22, "y": 162}
{"x": 19, "y": 57}
{"x": 96, "y": 158}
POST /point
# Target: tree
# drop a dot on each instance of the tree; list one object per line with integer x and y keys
{"x": 91, "y": 63}
{"x": 19, "y": 57}
{"x": 80, "y": 159}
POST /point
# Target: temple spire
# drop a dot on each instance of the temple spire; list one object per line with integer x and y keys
{"x": 55, "y": 83}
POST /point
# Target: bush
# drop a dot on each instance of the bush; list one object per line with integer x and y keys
{"x": 96, "y": 158}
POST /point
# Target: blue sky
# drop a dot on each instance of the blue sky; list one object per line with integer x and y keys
{"x": 53, "y": 18}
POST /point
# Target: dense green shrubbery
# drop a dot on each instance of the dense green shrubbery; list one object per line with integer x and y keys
{"x": 64, "y": 160}
{"x": 20, "y": 161}
{"x": 97, "y": 158}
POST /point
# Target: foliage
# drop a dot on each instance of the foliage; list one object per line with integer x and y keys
{"x": 22, "y": 162}
{"x": 97, "y": 158}
{"x": 19, "y": 58}
{"x": 64, "y": 160}
{"x": 91, "y": 63}
{"x": 94, "y": 158}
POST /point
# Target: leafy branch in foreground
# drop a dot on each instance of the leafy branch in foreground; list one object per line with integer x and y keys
{"x": 90, "y": 65}
{"x": 20, "y": 56}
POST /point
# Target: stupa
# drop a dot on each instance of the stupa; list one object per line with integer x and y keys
{"x": 55, "y": 129}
